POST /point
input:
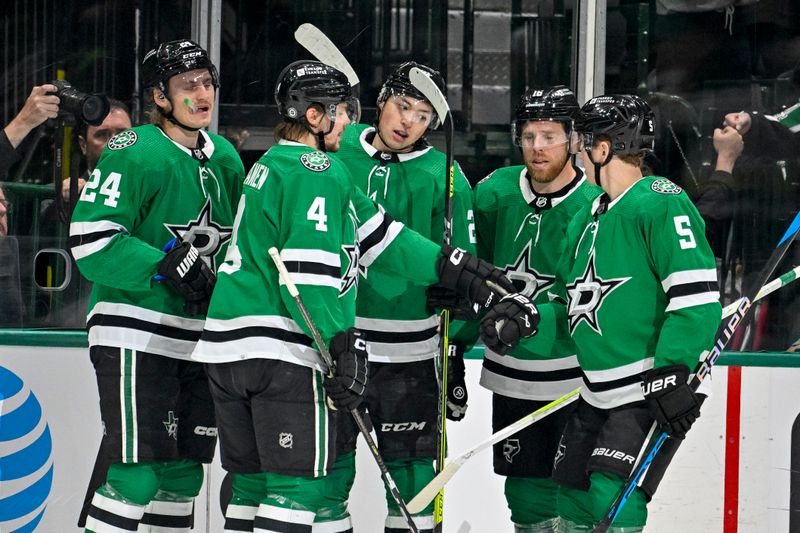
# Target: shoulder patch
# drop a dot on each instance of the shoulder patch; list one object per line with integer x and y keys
{"x": 316, "y": 161}
{"x": 665, "y": 186}
{"x": 122, "y": 140}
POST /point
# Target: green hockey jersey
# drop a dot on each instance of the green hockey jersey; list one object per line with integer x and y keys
{"x": 640, "y": 285}
{"x": 411, "y": 187}
{"x": 303, "y": 202}
{"x": 147, "y": 190}
{"x": 522, "y": 232}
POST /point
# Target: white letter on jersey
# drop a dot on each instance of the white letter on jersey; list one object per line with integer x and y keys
{"x": 317, "y": 212}
{"x": 471, "y": 227}
{"x": 683, "y": 228}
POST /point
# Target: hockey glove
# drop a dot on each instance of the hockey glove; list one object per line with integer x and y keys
{"x": 670, "y": 399}
{"x": 513, "y": 318}
{"x": 456, "y": 385}
{"x": 348, "y": 385}
{"x": 189, "y": 276}
{"x": 460, "y": 308}
{"x": 465, "y": 274}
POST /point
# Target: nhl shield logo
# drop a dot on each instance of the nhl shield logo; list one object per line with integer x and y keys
{"x": 511, "y": 448}
{"x": 285, "y": 440}
{"x": 316, "y": 161}
{"x": 541, "y": 201}
{"x": 122, "y": 140}
{"x": 664, "y": 186}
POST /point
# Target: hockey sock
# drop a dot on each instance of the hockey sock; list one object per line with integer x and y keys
{"x": 170, "y": 511}
{"x": 333, "y": 516}
{"x": 118, "y": 505}
{"x": 587, "y": 508}
{"x": 291, "y": 504}
{"x": 532, "y": 500}
{"x": 248, "y": 490}
{"x": 410, "y": 475}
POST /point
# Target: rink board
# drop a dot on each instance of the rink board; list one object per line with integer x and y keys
{"x": 690, "y": 499}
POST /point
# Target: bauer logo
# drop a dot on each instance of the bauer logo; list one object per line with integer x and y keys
{"x": 26, "y": 456}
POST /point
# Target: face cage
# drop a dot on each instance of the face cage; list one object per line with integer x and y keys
{"x": 389, "y": 92}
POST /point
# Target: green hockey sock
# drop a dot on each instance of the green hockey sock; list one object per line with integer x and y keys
{"x": 531, "y": 499}
{"x": 587, "y": 508}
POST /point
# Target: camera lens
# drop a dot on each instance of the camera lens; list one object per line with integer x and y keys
{"x": 94, "y": 109}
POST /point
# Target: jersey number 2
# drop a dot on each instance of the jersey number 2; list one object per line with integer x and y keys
{"x": 683, "y": 227}
{"x": 109, "y": 189}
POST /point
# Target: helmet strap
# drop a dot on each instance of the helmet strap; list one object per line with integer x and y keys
{"x": 599, "y": 165}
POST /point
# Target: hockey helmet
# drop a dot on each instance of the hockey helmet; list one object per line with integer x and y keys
{"x": 399, "y": 82}
{"x": 625, "y": 118}
{"x": 556, "y": 103}
{"x": 303, "y": 84}
{"x": 175, "y": 57}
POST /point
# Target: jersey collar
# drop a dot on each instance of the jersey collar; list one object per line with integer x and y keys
{"x": 203, "y": 151}
{"x": 387, "y": 157}
{"x": 603, "y": 203}
{"x": 548, "y": 200}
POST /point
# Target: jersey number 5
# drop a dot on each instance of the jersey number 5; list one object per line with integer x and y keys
{"x": 683, "y": 228}
{"x": 109, "y": 189}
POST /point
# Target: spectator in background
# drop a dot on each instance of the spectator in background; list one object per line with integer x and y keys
{"x": 39, "y": 106}
{"x": 10, "y": 295}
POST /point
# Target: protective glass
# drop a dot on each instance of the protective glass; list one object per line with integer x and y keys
{"x": 189, "y": 81}
{"x": 542, "y": 139}
{"x": 351, "y": 106}
{"x": 413, "y": 110}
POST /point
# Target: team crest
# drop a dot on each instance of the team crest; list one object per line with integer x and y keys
{"x": 171, "y": 424}
{"x": 586, "y": 296}
{"x": 525, "y": 278}
{"x": 203, "y": 233}
{"x": 316, "y": 161}
{"x": 665, "y": 186}
{"x": 511, "y": 447}
{"x": 122, "y": 140}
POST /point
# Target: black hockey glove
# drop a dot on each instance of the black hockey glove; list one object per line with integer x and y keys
{"x": 456, "y": 385}
{"x": 460, "y": 307}
{"x": 189, "y": 276}
{"x": 348, "y": 385}
{"x": 465, "y": 274}
{"x": 513, "y": 318}
{"x": 670, "y": 399}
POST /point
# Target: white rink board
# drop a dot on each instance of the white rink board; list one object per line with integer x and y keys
{"x": 689, "y": 500}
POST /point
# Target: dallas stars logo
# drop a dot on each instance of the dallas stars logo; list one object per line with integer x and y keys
{"x": 527, "y": 279}
{"x": 586, "y": 295}
{"x": 171, "y": 423}
{"x": 203, "y": 233}
{"x": 353, "y": 252}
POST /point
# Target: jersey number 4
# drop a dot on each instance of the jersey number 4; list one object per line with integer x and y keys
{"x": 109, "y": 189}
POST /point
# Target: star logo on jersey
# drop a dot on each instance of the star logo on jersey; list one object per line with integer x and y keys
{"x": 562, "y": 450}
{"x": 511, "y": 447}
{"x": 350, "y": 278}
{"x": 586, "y": 296}
{"x": 203, "y": 233}
{"x": 665, "y": 186}
{"x": 122, "y": 140}
{"x": 316, "y": 161}
{"x": 171, "y": 423}
{"x": 525, "y": 278}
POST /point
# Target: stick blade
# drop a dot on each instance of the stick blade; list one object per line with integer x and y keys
{"x": 425, "y": 496}
{"x": 321, "y": 47}
{"x": 423, "y": 82}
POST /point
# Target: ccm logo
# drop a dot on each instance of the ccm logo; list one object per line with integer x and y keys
{"x": 205, "y": 431}
{"x": 659, "y": 384}
{"x": 614, "y": 454}
{"x": 403, "y": 426}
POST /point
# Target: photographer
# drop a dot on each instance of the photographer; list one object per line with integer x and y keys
{"x": 39, "y": 106}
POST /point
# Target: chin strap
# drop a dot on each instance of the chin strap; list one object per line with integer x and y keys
{"x": 598, "y": 166}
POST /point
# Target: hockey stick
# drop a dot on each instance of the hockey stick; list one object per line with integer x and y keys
{"x": 316, "y": 42}
{"x": 424, "y": 496}
{"x": 424, "y": 84}
{"x": 326, "y": 357}
{"x": 740, "y": 318}
{"x": 766, "y": 290}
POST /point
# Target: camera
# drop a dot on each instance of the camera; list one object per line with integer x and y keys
{"x": 90, "y": 108}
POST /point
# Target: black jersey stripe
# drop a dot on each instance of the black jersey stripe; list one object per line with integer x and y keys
{"x": 107, "y": 517}
{"x": 86, "y": 238}
{"x": 238, "y": 524}
{"x": 531, "y": 375}
{"x": 605, "y": 386}
{"x": 377, "y": 235}
{"x": 100, "y": 319}
{"x": 270, "y": 524}
{"x": 256, "y": 331}
{"x": 688, "y": 289}
{"x": 396, "y": 337}
{"x": 309, "y": 267}
{"x": 182, "y": 521}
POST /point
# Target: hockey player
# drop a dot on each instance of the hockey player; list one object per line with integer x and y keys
{"x": 394, "y": 165}
{"x": 521, "y": 216}
{"x": 638, "y": 292}
{"x": 169, "y": 185}
{"x": 277, "y": 433}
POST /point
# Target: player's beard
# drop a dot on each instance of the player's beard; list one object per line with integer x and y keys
{"x": 552, "y": 171}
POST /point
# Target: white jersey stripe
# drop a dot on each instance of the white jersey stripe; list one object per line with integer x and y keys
{"x": 527, "y": 390}
{"x": 86, "y": 228}
{"x": 620, "y": 372}
{"x": 368, "y": 256}
{"x": 688, "y": 276}
{"x": 533, "y": 365}
{"x": 315, "y": 279}
{"x": 311, "y": 256}
{"x": 682, "y": 302}
{"x": 85, "y": 250}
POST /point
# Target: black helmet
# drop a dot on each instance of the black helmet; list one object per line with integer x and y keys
{"x": 306, "y": 83}
{"x": 556, "y": 103}
{"x": 625, "y": 118}
{"x": 398, "y": 82}
{"x": 175, "y": 57}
